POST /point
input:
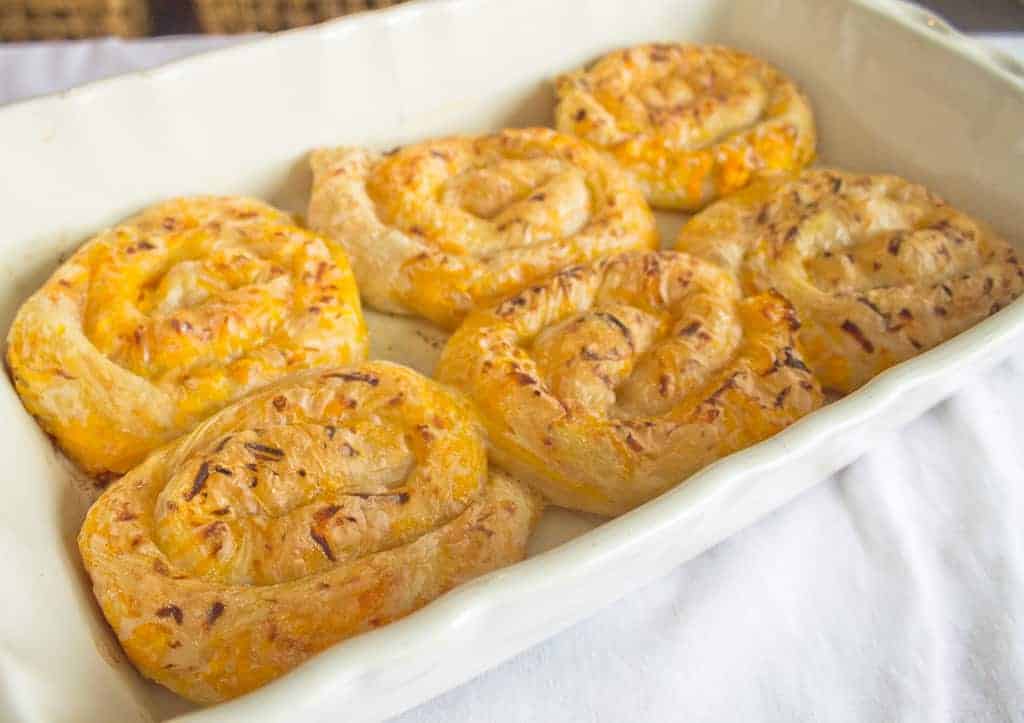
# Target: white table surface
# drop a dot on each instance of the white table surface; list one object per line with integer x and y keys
{"x": 891, "y": 592}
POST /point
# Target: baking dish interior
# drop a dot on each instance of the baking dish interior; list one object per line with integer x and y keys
{"x": 892, "y": 93}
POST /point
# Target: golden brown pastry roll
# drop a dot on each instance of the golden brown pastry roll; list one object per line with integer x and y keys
{"x": 156, "y": 323}
{"x": 878, "y": 269}
{"x": 328, "y": 504}
{"x": 610, "y": 383}
{"x": 436, "y": 228}
{"x": 691, "y": 121}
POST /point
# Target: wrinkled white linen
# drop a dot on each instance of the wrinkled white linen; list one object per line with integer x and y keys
{"x": 892, "y": 592}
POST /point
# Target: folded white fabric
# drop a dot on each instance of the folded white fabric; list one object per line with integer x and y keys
{"x": 30, "y": 69}
{"x": 893, "y": 592}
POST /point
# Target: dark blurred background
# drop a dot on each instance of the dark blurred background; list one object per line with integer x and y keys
{"x": 52, "y": 19}
{"x": 172, "y": 16}
{"x": 177, "y": 16}
{"x": 981, "y": 15}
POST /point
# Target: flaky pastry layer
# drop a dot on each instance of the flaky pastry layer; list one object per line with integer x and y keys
{"x": 692, "y": 122}
{"x": 437, "y": 228}
{"x": 612, "y": 382}
{"x": 879, "y": 269}
{"x": 158, "y": 322}
{"x": 323, "y": 506}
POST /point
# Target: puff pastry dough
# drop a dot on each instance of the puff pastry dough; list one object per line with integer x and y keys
{"x": 878, "y": 269}
{"x": 610, "y": 383}
{"x": 691, "y": 121}
{"x": 154, "y": 324}
{"x": 436, "y": 228}
{"x": 326, "y": 505}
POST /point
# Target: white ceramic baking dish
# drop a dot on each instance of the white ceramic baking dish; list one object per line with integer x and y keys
{"x": 894, "y": 89}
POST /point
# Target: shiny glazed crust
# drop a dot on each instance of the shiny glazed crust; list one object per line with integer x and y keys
{"x": 326, "y": 505}
{"x": 691, "y": 121}
{"x": 154, "y": 324}
{"x": 610, "y": 383}
{"x": 879, "y": 269}
{"x": 436, "y": 228}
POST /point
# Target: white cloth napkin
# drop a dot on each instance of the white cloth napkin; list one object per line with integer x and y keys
{"x": 892, "y": 592}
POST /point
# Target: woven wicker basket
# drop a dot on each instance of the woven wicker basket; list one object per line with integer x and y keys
{"x": 57, "y": 19}
{"x": 245, "y": 16}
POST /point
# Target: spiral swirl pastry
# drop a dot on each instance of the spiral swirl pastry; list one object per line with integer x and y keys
{"x": 153, "y": 325}
{"x": 878, "y": 269}
{"x": 610, "y": 383}
{"x": 692, "y": 122}
{"x": 437, "y": 228}
{"x": 328, "y": 504}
